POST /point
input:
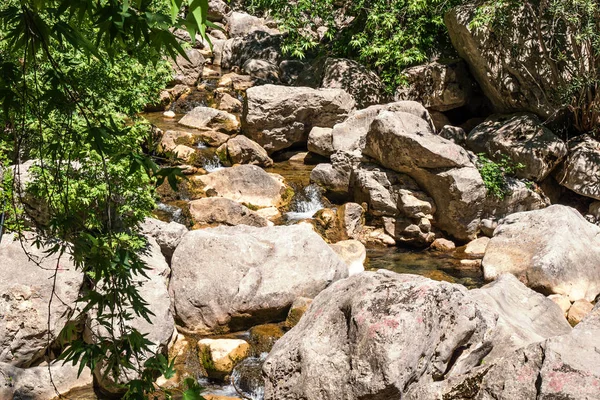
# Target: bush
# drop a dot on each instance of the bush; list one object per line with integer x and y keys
{"x": 495, "y": 174}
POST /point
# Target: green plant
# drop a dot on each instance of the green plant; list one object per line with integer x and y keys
{"x": 385, "y": 35}
{"x": 495, "y": 174}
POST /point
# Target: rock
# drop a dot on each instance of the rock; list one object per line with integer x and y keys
{"x": 241, "y": 150}
{"x": 522, "y": 80}
{"x": 167, "y": 234}
{"x": 578, "y": 311}
{"x": 270, "y": 213}
{"x": 258, "y": 45}
{"x": 27, "y": 325}
{"x": 213, "y": 211}
{"x": 562, "y": 301}
{"x": 169, "y": 114}
{"x": 207, "y": 118}
{"x": 440, "y": 120}
{"x": 261, "y": 272}
{"x": 277, "y": 117}
{"x": 290, "y": 71}
{"x": 241, "y": 24}
{"x": 236, "y": 81}
{"x": 299, "y": 307}
{"x": 351, "y": 217}
{"x": 353, "y": 253}
{"x": 184, "y": 153}
{"x": 519, "y": 196}
{"x": 262, "y": 70}
{"x": 409, "y": 231}
{"x": 219, "y": 356}
{"x": 476, "y": 248}
{"x": 523, "y": 139}
{"x": 335, "y": 177}
{"x": 554, "y": 250}
{"x": 217, "y": 10}
{"x": 350, "y": 134}
{"x": 407, "y": 331}
{"x": 442, "y": 244}
{"x": 454, "y": 134}
{"x": 439, "y": 87}
{"x": 594, "y": 210}
{"x": 247, "y": 184}
{"x": 35, "y": 383}
{"x": 228, "y": 103}
{"x": 471, "y": 265}
{"x": 263, "y": 337}
{"x": 581, "y": 169}
{"x": 188, "y": 72}
{"x": 320, "y": 141}
{"x": 364, "y": 85}
{"x": 488, "y": 226}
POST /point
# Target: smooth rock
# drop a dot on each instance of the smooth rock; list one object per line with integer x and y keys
{"x": 242, "y": 150}
{"x": 581, "y": 170}
{"x": 578, "y": 311}
{"x": 320, "y": 141}
{"x": 261, "y": 272}
{"x": 562, "y": 301}
{"x": 476, "y": 248}
{"x": 207, "y": 118}
{"x": 167, "y": 234}
{"x": 441, "y": 244}
{"x": 353, "y": 253}
{"x": 554, "y": 250}
{"x": 213, "y": 211}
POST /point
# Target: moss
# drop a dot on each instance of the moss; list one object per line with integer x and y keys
{"x": 251, "y": 206}
{"x": 287, "y": 196}
{"x": 206, "y": 358}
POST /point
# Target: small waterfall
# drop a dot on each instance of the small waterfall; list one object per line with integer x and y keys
{"x": 305, "y": 203}
{"x": 201, "y": 145}
{"x": 212, "y": 164}
{"x": 247, "y": 378}
{"x": 174, "y": 213}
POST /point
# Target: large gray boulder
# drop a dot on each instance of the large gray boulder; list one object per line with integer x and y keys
{"x": 439, "y": 87}
{"x": 261, "y": 271}
{"x": 213, "y": 211}
{"x": 519, "y": 197}
{"x": 553, "y": 250}
{"x": 167, "y": 234}
{"x": 240, "y": 24}
{"x": 405, "y": 144}
{"x": 376, "y": 335}
{"x": 27, "y": 324}
{"x": 246, "y": 184}
{"x": 207, "y": 118}
{"x": 257, "y": 45}
{"x": 509, "y": 63}
{"x": 523, "y": 139}
{"x": 242, "y": 150}
{"x": 188, "y": 72}
{"x": 581, "y": 170}
{"x": 364, "y": 85}
{"x": 278, "y": 117}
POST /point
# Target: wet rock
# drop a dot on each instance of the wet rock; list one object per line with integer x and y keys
{"x": 523, "y": 139}
{"x": 578, "y": 311}
{"x": 320, "y": 141}
{"x": 278, "y": 117}
{"x": 207, "y": 118}
{"x": 440, "y": 87}
{"x": 353, "y": 253}
{"x": 581, "y": 169}
{"x": 35, "y": 383}
{"x": 263, "y": 337}
{"x": 247, "y": 184}
{"x": 261, "y": 272}
{"x": 409, "y": 331}
{"x": 213, "y": 211}
{"x": 167, "y": 234}
{"x": 219, "y": 356}
{"x": 188, "y": 72}
{"x": 241, "y": 150}
{"x": 442, "y": 244}
{"x": 476, "y": 248}
{"x": 554, "y": 250}
{"x": 364, "y": 85}
{"x": 27, "y": 325}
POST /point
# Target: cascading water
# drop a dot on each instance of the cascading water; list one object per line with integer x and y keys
{"x": 212, "y": 164}
{"x": 174, "y": 213}
{"x": 305, "y": 203}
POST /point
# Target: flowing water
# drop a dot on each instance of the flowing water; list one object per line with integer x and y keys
{"x": 305, "y": 203}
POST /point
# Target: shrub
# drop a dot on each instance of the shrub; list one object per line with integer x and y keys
{"x": 495, "y": 174}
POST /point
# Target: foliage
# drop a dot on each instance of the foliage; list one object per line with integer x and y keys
{"x": 495, "y": 174}
{"x": 385, "y": 35}
{"x": 567, "y": 34}
{"x": 74, "y": 75}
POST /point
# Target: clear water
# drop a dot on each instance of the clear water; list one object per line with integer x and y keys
{"x": 212, "y": 164}
{"x": 306, "y": 203}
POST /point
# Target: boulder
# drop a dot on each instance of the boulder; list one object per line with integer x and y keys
{"x": 278, "y": 117}
{"x": 240, "y": 24}
{"x": 257, "y": 45}
{"x": 246, "y": 184}
{"x": 364, "y": 85}
{"x": 442, "y": 244}
{"x": 519, "y": 197}
{"x": 28, "y": 325}
{"x": 228, "y": 103}
{"x": 377, "y": 335}
{"x": 553, "y": 250}
{"x": 219, "y": 356}
{"x": 581, "y": 169}
{"x": 290, "y": 71}
{"x": 236, "y": 81}
{"x": 297, "y": 310}
{"x": 353, "y": 253}
{"x": 508, "y": 64}
{"x": 188, "y": 72}
{"x": 242, "y": 150}
{"x": 217, "y": 10}
{"x": 476, "y": 248}
{"x": 213, "y": 211}
{"x": 562, "y": 301}
{"x": 320, "y": 141}
{"x": 261, "y": 70}
{"x": 335, "y": 176}
{"x": 523, "y": 139}
{"x": 207, "y": 118}
{"x": 35, "y": 383}
{"x": 167, "y": 234}
{"x": 261, "y": 272}
{"x": 350, "y": 134}
{"x": 454, "y": 134}
{"x": 439, "y": 87}
{"x": 578, "y": 311}
{"x": 351, "y": 218}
